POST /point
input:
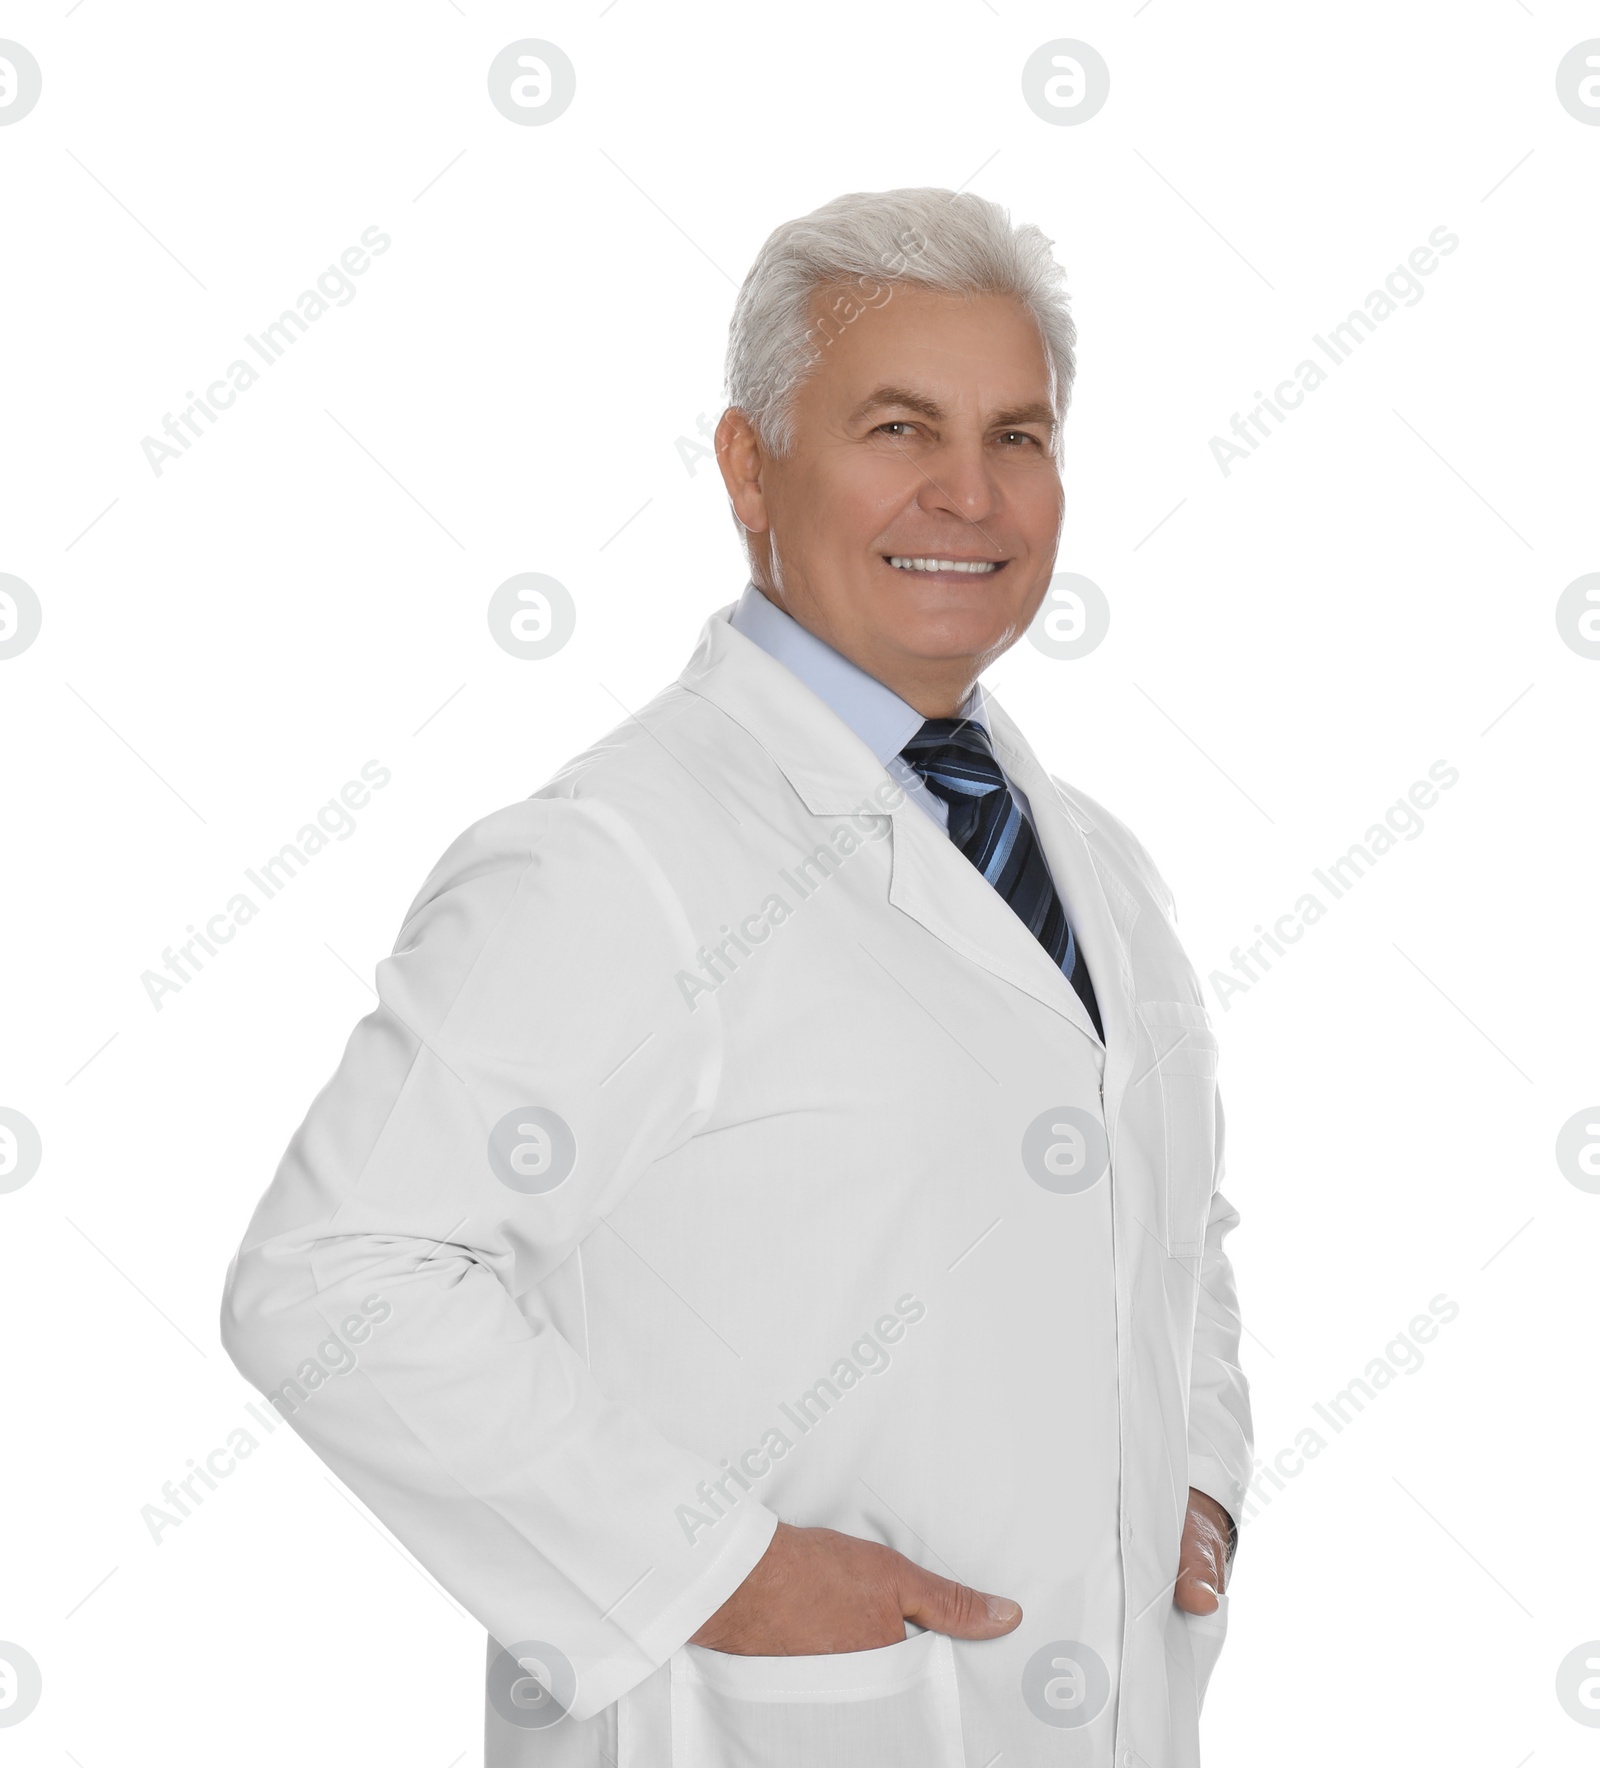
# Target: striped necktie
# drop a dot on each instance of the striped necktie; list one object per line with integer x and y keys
{"x": 953, "y": 756}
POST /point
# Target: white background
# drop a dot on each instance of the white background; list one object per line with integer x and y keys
{"x": 1292, "y": 645}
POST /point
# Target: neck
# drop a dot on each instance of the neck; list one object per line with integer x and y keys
{"x": 935, "y": 687}
{"x": 934, "y": 699}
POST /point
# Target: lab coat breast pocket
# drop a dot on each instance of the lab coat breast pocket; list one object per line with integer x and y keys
{"x": 895, "y": 1707}
{"x": 1184, "y": 1053}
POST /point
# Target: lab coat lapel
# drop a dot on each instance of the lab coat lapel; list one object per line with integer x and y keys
{"x": 937, "y": 885}
{"x": 835, "y": 774}
{"x": 1100, "y": 907}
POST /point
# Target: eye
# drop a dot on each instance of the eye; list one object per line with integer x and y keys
{"x": 895, "y": 423}
{"x": 1011, "y": 437}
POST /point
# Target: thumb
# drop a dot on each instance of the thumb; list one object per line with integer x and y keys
{"x": 944, "y": 1606}
{"x": 1195, "y": 1593}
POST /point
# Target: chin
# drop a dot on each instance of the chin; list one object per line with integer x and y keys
{"x": 939, "y": 619}
{"x": 944, "y": 636}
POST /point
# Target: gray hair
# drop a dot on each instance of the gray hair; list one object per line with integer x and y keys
{"x": 938, "y": 239}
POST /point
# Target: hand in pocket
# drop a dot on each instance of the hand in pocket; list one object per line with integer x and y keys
{"x": 816, "y": 1591}
{"x": 1203, "y": 1557}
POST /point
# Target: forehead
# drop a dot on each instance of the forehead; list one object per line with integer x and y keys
{"x": 962, "y": 350}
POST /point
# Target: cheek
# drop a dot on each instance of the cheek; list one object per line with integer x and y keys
{"x": 1038, "y": 502}
{"x": 865, "y": 500}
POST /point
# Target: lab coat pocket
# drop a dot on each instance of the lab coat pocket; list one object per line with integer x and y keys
{"x": 1206, "y": 1634}
{"x": 1184, "y": 1065}
{"x": 895, "y": 1707}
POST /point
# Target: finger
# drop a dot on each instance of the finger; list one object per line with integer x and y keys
{"x": 1199, "y": 1568}
{"x": 943, "y": 1606}
{"x": 1196, "y": 1593}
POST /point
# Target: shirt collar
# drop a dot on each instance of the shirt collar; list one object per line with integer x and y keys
{"x": 877, "y": 714}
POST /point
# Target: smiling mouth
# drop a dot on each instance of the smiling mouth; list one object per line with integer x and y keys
{"x": 970, "y": 567}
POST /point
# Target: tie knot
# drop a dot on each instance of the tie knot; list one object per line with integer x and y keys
{"x": 954, "y": 757}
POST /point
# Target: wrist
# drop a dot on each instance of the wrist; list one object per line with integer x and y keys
{"x": 1224, "y": 1520}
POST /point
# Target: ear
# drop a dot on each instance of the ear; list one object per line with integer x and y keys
{"x": 741, "y": 459}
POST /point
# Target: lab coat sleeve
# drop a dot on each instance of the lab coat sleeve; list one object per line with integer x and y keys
{"x": 541, "y": 966}
{"x": 1221, "y": 1447}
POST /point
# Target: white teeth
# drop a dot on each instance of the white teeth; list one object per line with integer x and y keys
{"x": 976, "y": 567}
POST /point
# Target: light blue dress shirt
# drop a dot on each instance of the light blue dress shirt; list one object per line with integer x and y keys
{"x": 882, "y": 720}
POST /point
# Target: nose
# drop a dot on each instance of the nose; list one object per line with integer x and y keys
{"x": 958, "y": 480}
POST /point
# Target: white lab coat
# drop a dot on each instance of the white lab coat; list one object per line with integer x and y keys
{"x": 724, "y": 1148}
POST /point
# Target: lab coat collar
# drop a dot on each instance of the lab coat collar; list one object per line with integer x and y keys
{"x": 821, "y": 757}
{"x": 835, "y": 773}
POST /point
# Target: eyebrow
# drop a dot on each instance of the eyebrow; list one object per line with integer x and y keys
{"x": 899, "y": 396}
{"x": 904, "y": 399}
{"x": 1026, "y": 414}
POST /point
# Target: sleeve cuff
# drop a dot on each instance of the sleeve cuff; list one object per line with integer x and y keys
{"x": 610, "y": 1680}
{"x": 1210, "y": 1476}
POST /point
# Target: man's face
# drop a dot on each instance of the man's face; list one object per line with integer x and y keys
{"x": 923, "y": 437}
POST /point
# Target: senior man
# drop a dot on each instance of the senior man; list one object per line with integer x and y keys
{"x": 775, "y": 1194}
